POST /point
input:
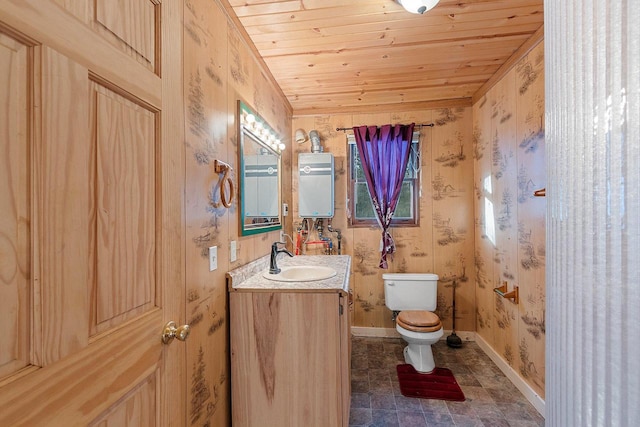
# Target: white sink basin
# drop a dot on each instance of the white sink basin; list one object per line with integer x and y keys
{"x": 301, "y": 273}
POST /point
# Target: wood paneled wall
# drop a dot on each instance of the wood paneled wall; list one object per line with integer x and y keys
{"x": 219, "y": 69}
{"x": 509, "y": 160}
{"x": 442, "y": 244}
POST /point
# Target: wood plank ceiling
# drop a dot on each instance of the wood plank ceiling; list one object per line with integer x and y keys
{"x": 333, "y": 56}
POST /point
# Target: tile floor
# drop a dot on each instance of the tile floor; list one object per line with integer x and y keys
{"x": 491, "y": 399}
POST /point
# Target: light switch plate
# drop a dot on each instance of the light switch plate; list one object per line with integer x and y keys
{"x": 233, "y": 249}
{"x": 213, "y": 258}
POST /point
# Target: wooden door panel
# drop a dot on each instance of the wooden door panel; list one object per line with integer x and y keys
{"x": 49, "y": 24}
{"x": 14, "y": 207}
{"x": 78, "y": 389}
{"x": 131, "y": 24}
{"x": 124, "y": 206}
{"x": 137, "y": 408}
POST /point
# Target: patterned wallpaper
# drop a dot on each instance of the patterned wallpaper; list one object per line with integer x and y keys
{"x": 219, "y": 69}
{"x": 442, "y": 244}
{"x": 509, "y": 163}
{"x": 489, "y": 157}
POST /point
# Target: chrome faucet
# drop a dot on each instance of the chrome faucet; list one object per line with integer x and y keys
{"x": 273, "y": 266}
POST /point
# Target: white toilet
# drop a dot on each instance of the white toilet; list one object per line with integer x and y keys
{"x": 415, "y": 297}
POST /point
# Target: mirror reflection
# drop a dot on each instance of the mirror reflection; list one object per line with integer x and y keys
{"x": 260, "y": 163}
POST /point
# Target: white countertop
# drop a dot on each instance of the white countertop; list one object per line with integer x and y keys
{"x": 249, "y": 277}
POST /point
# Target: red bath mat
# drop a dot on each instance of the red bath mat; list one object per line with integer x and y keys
{"x": 438, "y": 384}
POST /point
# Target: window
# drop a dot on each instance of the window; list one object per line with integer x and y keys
{"x": 360, "y": 205}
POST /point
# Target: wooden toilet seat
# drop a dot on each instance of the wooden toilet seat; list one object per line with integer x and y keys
{"x": 419, "y": 321}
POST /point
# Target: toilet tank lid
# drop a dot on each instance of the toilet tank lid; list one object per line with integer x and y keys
{"x": 409, "y": 276}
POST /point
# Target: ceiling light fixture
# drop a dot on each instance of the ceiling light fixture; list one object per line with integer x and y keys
{"x": 418, "y": 6}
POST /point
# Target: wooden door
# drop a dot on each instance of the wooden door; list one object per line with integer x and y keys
{"x": 91, "y": 184}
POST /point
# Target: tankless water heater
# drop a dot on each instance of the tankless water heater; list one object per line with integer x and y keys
{"x": 315, "y": 186}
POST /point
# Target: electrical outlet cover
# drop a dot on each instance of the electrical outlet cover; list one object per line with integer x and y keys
{"x": 233, "y": 255}
{"x": 213, "y": 258}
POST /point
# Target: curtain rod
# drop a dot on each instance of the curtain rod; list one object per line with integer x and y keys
{"x": 419, "y": 126}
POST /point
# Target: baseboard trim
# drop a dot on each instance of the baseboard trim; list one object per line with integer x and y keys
{"x": 361, "y": 331}
{"x": 525, "y": 389}
{"x": 465, "y": 336}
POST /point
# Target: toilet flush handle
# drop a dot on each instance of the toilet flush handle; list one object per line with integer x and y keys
{"x": 391, "y": 283}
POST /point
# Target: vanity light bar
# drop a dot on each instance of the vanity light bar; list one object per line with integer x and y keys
{"x": 261, "y": 130}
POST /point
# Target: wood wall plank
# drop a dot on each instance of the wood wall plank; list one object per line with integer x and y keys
{"x": 219, "y": 69}
{"x": 452, "y": 217}
{"x": 484, "y": 224}
{"x": 530, "y": 139}
{"x": 509, "y": 142}
{"x": 504, "y": 183}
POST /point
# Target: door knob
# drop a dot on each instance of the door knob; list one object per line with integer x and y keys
{"x": 172, "y": 330}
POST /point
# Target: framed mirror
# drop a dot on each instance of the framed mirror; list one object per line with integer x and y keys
{"x": 260, "y": 174}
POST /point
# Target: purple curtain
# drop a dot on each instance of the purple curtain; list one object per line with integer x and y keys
{"x": 384, "y": 154}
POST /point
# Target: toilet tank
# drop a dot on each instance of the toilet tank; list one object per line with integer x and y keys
{"x": 410, "y": 291}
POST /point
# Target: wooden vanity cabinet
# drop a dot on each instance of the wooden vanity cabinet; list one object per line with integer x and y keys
{"x": 290, "y": 358}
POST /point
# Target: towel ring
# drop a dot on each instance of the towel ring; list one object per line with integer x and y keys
{"x": 222, "y": 167}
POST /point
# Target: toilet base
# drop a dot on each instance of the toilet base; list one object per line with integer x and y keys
{"x": 420, "y": 357}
